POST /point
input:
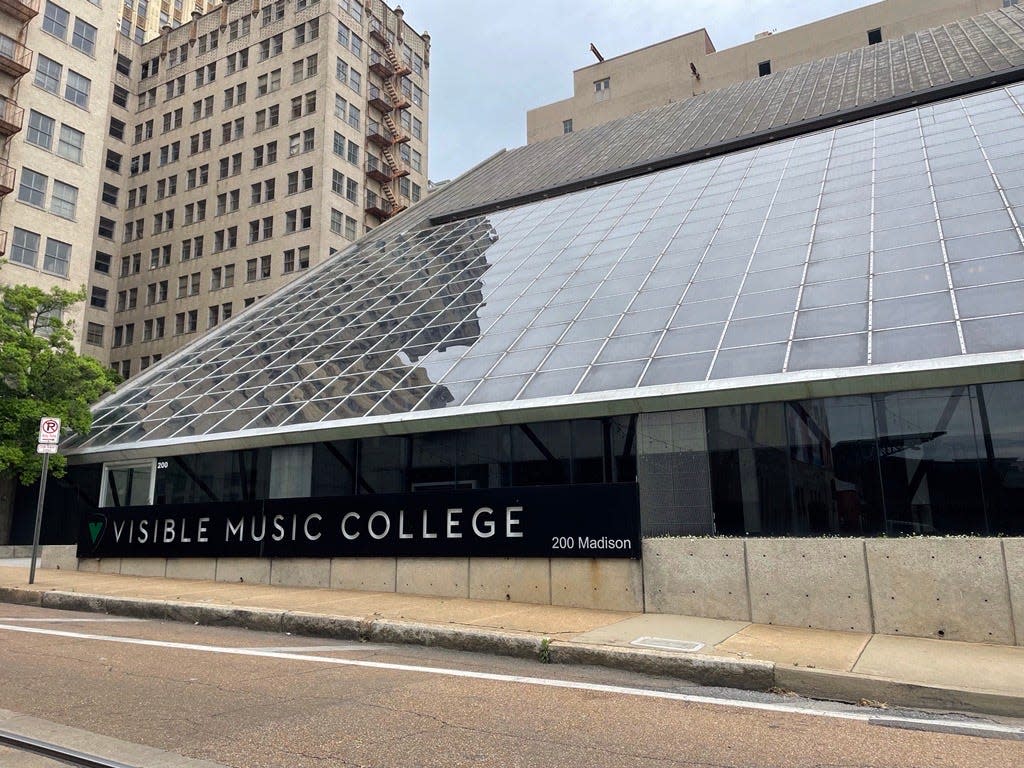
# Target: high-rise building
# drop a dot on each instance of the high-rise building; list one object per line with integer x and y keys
{"x": 142, "y": 20}
{"x": 55, "y": 83}
{"x": 689, "y": 65}
{"x": 185, "y": 178}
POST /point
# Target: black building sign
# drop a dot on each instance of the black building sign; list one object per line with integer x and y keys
{"x": 553, "y": 521}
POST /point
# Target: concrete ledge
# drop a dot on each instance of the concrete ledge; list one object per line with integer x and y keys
{"x": 243, "y": 570}
{"x": 606, "y": 585}
{"x": 143, "y": 566}
{"x": 321, "y": 625}
{"x": 851, "y": 687}
{"x": 17, "y": 596}
{"x": 455, "y": 638}
{"x": 59, "y": 557}
{"x": 300, "y": 572}
{"x": 705, "y": 670}
{"x": 366, "y": 574}
{"x": 817, "y": 583}
{"x": 438, "y": 577}
{"x": 694, "y": 576}
{"x": 954, "y": 589}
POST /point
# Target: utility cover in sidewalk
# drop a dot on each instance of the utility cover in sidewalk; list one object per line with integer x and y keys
{"x": 667, "y": 644}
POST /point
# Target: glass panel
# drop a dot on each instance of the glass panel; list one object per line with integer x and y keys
{"x": 1000, "y": 419}
{"x": 433, "y": 462}
{"x": 541, "y": 453}
{"x": 749, "y": 470}
{"x": 484, "y": 457}
{"x": 834, "y": 467}
{"x": 128, "y": 486}
{"x": 929, "y": 462}
{"x": 334, "y": 468}
{"x": 382, "y": 464}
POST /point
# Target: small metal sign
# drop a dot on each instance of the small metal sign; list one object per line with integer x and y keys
{"x": 46, "y": 448}
{"x": 49, "y": 430}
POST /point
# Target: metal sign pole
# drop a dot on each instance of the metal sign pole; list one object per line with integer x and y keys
{"x": 39, "y": 518}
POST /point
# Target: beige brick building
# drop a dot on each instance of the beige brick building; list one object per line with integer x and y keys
{"x": 261, "y": 139}
{"x": 54, "y": 79}
{"x": 142, "y": 20}
{"x": 688, "y": 65}
{"x": 183, "y": 179}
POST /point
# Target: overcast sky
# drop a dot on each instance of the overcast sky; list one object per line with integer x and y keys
{"x": 493, "y": 60}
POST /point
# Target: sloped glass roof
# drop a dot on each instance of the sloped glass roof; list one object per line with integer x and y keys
{"x": 890, "y": 240}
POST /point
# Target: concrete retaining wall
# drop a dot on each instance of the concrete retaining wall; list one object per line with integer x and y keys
{"x": 607, "y": 584}
{"x": 969, "y": 589}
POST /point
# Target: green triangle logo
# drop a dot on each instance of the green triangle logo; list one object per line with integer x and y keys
{"x": 94, "y": 530}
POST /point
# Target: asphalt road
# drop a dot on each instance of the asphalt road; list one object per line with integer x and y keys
{"x": 260, "y": 700}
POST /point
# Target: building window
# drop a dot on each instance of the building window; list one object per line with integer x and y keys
{"x": 109, "y": 194}
{"x": 33, "y": 188}
{"x": 58, "y": 257}
{"x": 76, "y": 90}
{"x": 602, "y": 89}
{"x": 25, "y": 247}
{"x": 94, "y": 334}
{"x": 48, "y": 74}
{"x": 64, "y": 200}
{"x": 874, "y": 36}
{"x": 70, "y": 144}
{"x": 106, "y": 228}
{"x": 40, "y": 130}
{"x": 567, "y": 126}
{"x": 764, "y": 68}
{"x": 101, "y": 263}
{"x": 55, "y": 20}
{"x": 120, "y": 96}
{"x": 84, "y": 37}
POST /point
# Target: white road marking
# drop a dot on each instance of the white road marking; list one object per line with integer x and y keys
{"x": 975, "y": 728}
{"x": 317, "y": 648}
{"x": 66, "y": 621}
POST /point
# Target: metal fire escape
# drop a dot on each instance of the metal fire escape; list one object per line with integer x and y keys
{"x": 15, "y": 61}
{"x": 386, "y": 99}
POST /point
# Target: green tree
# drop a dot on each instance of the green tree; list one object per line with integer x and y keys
{"x": 41, "y": 374}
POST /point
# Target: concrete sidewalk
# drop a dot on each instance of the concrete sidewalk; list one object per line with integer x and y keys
{"x": 843, "y": 666}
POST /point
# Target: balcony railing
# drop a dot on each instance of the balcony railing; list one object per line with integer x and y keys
{"x": 378, "y": 206}
{"x": 378, "y": 134}
{"x": 378, "y": 99}
{"x": 15, "y": 58}
{"x": 12, "y": 117}
{"x": 380, "y": 65}
{"x": 22, "y": 10}
{"x": 6, "y": 179}
{"x": 377, "y": 170}
{"x": 377, "y": 31}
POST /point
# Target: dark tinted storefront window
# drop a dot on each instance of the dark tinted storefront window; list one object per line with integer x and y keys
{"x": 541, "y": 453}
{"x": 433, "y": 462}
{"x": 1000, "y": 411}
{"x": 834, "y": 466}
{"x": 204, "y": 477}
{"x": 748, "y": 451}
{"x": 928, "y": 462}
{"x": 334, "y": 468}
{"x": 383, "y": 464}
{"x": 928, "y": 453}
{"x": 484, "y": 457}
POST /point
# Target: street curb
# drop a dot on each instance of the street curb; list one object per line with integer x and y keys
{"x": 854, "y": 687}
{"x": 704, "y": 670}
